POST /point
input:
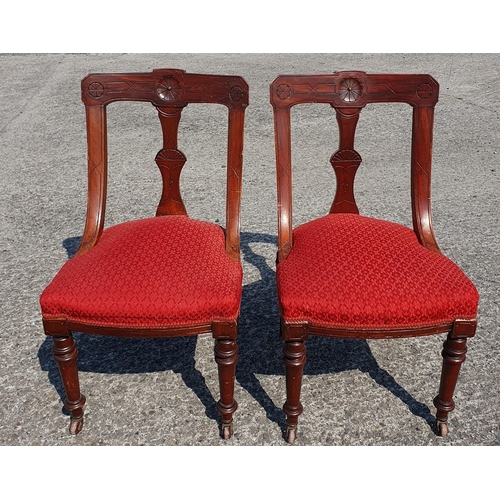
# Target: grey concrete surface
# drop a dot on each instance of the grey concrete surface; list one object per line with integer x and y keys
{"x": 163, "y": 392}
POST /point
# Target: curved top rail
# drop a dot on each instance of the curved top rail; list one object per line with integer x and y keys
{"x": 347, "y": 89}
{"x": 164, "y": 87}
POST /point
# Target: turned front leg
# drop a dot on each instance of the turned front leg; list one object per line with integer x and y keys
{"x": 65, "y": 354}
{"x": 294, "y": 356}
{"x": 454, "y": 350}
{"x": 226, "y": 355}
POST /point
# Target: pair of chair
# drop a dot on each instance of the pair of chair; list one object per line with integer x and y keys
{"x": 342, "y": 275}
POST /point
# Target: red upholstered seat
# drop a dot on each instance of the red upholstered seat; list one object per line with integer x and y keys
{"x": 353, "y": 272}
{"x": 126, "y": 280}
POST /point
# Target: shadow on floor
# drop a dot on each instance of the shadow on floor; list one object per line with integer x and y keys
{"x": 260, "y": 348}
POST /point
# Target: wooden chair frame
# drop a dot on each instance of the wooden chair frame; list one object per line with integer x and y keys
{"x": 169, "y": 90}
{"x": 348, "y": 92}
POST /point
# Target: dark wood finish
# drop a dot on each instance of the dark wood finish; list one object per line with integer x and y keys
{"x": 453, "y": 356}
{"x": 454, "y": 350}
{"x": 348, "y": 92}
{"x": 170, "y": 91}
{"x": 294, "y": 356}
{"x": 170, "y": 162}
{"x": 65, "y": 353}
{"x": 345, "y": 161}
{"x": 226, "y": 355}
{"x": 302, "y": 331}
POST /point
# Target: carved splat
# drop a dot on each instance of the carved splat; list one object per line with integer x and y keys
{"x": 170, "y": 162}
{"x": 345, "y": 161}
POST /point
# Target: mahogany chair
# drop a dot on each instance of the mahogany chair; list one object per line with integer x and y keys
{"x": 349, "y": 276}
{"x": 165, "y": 276}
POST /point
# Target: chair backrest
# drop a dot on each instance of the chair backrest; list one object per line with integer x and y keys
{"x": 348, "y": 92}
{"x": 169, "y": 90}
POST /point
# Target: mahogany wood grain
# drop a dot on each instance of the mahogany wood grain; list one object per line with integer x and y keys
{"x": 294, "y": 357}
{"x": 348, "y": 92}
{"x": 65, "y": 353}
{"x": 453, "y": 356}
{"x": 345, "y": 162}
{"x": 226, "y": 355}
{"x": 170, "y": 162}
{"x": 170, "y": 91}
{"x": 421, "y": 159}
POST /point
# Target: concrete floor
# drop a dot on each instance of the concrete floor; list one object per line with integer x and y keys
{"x": 163, "y": 392}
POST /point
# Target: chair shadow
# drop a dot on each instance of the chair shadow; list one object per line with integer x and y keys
{"x": 259, "y": 344}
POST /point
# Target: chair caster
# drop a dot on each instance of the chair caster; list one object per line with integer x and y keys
{"x": 226, "y": 430}
{"x": 76, "y": 425}
{"x": 442, "y": 428}
{"x": 291, "y": 433}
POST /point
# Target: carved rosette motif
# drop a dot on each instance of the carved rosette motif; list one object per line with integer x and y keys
{"x": 235, "y": 94}
{"x": 283, "y": 91}
{"x": 96, "y": 90}
{"x": 424, "y": 91}
{"x": 349, "y": 89}
{"x": 168, "y": 88}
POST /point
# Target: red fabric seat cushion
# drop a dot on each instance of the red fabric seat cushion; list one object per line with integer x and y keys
{"x": 346, "y": 271}
{"x": 161, "y": 272}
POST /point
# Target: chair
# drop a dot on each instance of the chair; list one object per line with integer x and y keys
{"x": 349, "y": 276}
{"x": 164, "y": 276}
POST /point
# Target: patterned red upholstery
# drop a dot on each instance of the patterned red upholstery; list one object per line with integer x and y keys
{"x": 169, "y": 271}
{"x": 354, "y": 272}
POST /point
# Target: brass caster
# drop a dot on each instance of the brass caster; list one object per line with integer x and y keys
{"x": 226, "y": 430}
{"x": 442, "y": 428}
{"x": 291, "y": 434}
{"x": 75, "y": 425}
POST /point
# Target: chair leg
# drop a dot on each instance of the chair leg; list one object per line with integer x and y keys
{"x": 226, "y": 355}
{"x": 65, "y": 353}
{"x": 294, "y": 356}
{"x": 454, "y": 350}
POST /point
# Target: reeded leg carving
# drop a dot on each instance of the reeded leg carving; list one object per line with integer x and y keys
{"x": 453, "y": 356}
{"x": 226, "y": 355}
{"x": 65, "y": 354}
{"x": 294, "y": 356}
